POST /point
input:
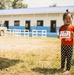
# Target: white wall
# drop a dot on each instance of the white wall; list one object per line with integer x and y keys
{"x": 33, "y": 18}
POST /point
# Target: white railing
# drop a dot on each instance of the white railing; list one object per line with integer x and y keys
{"x": 8, "y": 32}
{"x": 26, "y": 32}
{"x": 36, "y": 33}
{"x": 44, "y": 33}
{"x": 18, "y": 32}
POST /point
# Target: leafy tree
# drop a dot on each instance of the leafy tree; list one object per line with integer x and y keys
{"x": 18, "y": 4}
{"x": 2, "y": 4}
{"x": 6, "y": 4}
{"x": 53, "y": 5}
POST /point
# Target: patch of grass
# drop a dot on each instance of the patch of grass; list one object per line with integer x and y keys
{"x": 43, "y": 59}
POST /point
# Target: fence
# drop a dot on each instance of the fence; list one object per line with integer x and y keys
{"x": 36, "y": 33}
{"x": 18, "y": 32}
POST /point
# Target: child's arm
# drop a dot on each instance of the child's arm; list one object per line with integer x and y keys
{"x": 57, "y": 33}
{"x": 58, "y": 36}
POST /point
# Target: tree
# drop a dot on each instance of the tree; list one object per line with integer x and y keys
{"x": 53, "y": 5}
{"x": 7, "y": 4}
{"x": 18, "y": 4}
{"x": 2, "y": 4}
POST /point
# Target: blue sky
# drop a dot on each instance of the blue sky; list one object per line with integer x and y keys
{"x": 47, "y": 3}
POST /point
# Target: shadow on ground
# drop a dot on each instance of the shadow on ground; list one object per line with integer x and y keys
{"x": 45, "y": 70}
{"x": 5, "y": 62}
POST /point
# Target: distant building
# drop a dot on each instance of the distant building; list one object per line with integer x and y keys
{"x": 45, "y": 18}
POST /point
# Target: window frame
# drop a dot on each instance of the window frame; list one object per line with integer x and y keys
{"x": 41, "y": 22}
{"x": 17, "y": 24}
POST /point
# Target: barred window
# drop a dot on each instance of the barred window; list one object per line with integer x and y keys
{"x": 17, "y": 23}
{"x": 39, "y": 22}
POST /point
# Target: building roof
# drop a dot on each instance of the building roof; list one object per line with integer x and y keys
{"x": 57, "y": 9}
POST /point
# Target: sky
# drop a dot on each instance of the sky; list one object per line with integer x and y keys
{"x": 47, "y": 3}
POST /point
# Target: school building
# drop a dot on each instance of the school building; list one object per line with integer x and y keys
{"x": 43, "y": 18}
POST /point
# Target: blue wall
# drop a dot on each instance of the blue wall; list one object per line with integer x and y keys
{"x": 37, "y": 28}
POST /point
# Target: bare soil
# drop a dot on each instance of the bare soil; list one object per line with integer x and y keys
{"x": 23, "y": 43}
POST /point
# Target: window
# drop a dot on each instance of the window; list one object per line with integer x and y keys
{"x": 17, "y": 23}
{"x": 39, "y": 22}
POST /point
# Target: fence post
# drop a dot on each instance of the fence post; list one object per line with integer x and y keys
{"x": 34, "y": 33}
{"x": 44, "y": 33}
{"x": 26, "y": 32}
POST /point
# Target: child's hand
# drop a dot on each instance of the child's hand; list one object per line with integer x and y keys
{"x": 72, "y": 33}
{"x": 58, "y": 36}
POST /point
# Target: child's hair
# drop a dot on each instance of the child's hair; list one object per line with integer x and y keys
{"x": 66, "y": 13}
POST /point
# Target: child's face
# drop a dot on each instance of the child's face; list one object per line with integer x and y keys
{"x": 68, "y": 19}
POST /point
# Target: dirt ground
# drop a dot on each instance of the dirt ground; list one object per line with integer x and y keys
{"x": 23, "y": 43}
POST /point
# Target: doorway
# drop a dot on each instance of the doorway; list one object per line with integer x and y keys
{"x": 27, "y": 25}
{"x": 53, "y": 26}
{"x": 6, "y": 24}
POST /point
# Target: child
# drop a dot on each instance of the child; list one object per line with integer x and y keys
{"x": 66, "y": 43}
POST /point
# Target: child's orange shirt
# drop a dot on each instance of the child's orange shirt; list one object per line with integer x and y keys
{"x": 70, "y": 40}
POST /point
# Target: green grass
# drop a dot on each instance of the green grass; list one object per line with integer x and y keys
{"x": 38, "y": 61}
